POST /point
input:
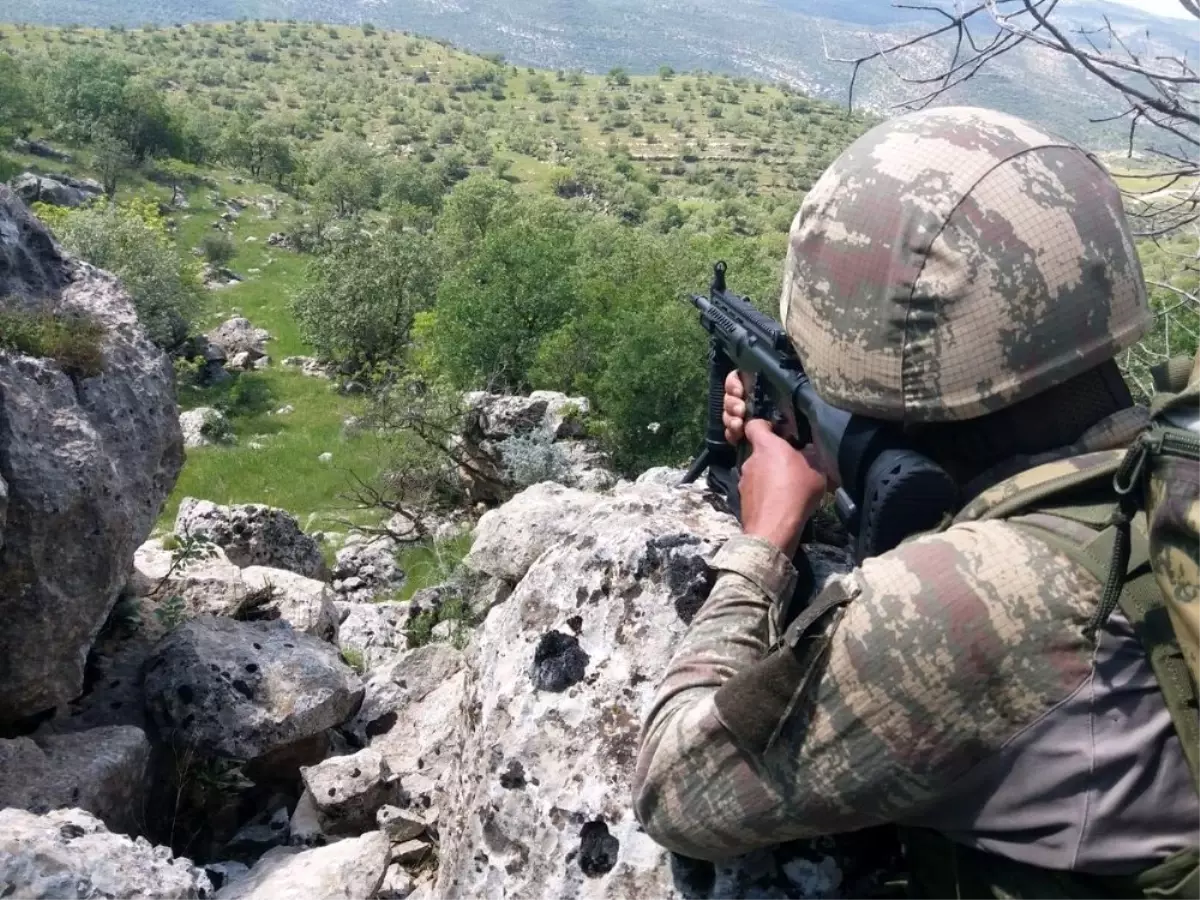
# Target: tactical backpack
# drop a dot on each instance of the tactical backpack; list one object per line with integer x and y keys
{"x": 1141, "y": 505}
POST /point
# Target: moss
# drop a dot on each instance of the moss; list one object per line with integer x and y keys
{"x": 72, "y": 341}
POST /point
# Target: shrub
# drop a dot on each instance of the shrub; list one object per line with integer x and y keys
{"x": 532, "y": 459}
{"x": 218, "y": 248}
{"x": 70, "y": 340}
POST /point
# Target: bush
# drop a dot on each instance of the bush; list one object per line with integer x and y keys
{"x": 533, "y": 459}
{"x": 218, "y": 248}
{"x": 71, "y": 341}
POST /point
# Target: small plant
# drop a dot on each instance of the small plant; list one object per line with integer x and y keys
{"x": 218, "y": 248}
{"x": 185, "y": 550}
{"x": 353, "y": 657}
{"x": 171, "y": 612}
{"x": 217, "y": 429}
{"x": 533, "y": 459}
{"x": 72, "y": 341}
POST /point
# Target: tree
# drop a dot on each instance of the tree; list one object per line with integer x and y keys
{"x": 346, "y": 175}
{"x": 16, "y": 104}
{"x": 470, "y": 211}
{"x": 86, "y": 90}
{"x": 361, "y": 297}
{"x": 112, "y": 159}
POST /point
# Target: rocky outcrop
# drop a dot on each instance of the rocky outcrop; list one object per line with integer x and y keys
{"x": 87, "y": 461}
{"x": 348, "y": 790}
{"x": 559, "y": 677}
{"x": 514, "y": 441}
{"x": 366, "y": 569}
{"x": 70, "y": 854}
{"x": 41, "y": 148}
{"x": 204, "y": 426}
{"x": 103, "y": 771}
{"x": 351, "y": 869}
{"x": 253, "y": 535}
{"x": 238, "y": 335}
{"x": 303, "y": 603}
{"x": 375, "y": 631}
{"x": 57, "y": 190}
{"x": 243, "y": 689}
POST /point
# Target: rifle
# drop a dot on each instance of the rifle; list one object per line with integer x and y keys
{"x": 887, "y": 489}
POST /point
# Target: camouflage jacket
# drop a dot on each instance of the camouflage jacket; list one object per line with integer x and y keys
{"x": 954, "y": 691}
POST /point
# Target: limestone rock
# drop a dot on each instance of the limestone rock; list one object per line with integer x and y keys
{"x": 243, "y": 689}
{"x": 210, "y": 587}
{"x": 87, "y": 463}
{"x": 351, "y": 869}
{"x": 372, "y": 565}
{"x": 253, "y": 535}
{"x": 409, "y": 710}
{"x": 509, "y": 539}
{"x": 151, "y": 563}
{"x": 376, "y": 630}
{"x": 68, "y": 853}
{"x": 397, "y": 884}
{"x": 304, "y": 603}
{"x": 588, "y": 466}
{"x": 237, "y": 335}
{"x": 348, "y": 790}
{"x": 60, "y": 190}
{"x": 221, "y": 873}
{"x": 309, "y": 366}
{"x": 402, "y": 824}
{"x": 266, "y": 830}
{"x": 564, "y": 673}
{"x": 103, "y": 771}
{"x": 204, "y": 426}
{"x": 305, "y": 827}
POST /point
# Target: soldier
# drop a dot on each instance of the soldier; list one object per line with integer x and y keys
{"x": 970, "y": 277}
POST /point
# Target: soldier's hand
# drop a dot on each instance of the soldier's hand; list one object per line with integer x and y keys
{"x": 734, "y": 413}
{"x": 780, "y": 488}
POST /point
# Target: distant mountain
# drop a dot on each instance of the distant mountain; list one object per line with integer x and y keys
{"x": 777, "y": 40}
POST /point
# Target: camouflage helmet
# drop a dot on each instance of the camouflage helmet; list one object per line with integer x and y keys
{"x": 955, "y": 261}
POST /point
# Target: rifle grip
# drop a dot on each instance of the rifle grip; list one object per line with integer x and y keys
{"x": 719, "y": 367}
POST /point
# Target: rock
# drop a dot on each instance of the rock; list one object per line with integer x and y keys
{"x": 204, "y": 426}
{"x": 397, "y": 884}
{"x": 238, "y": 335}
{"x": 253, "y": 535}
{"x": 352, "y": 869}
{"x": 404, "y": 824}
{"x": 41, "y": 148}
{"x": 151, "y": 563}
{"x": 304, "y": 603}
{"x": 348, "y": 790}
{"x": 221, "y": 873}
{"x": 326, "y": 457}
{"x": 259, "y": 835}
{"x": 308, "y": 366}
{"x": 242, "y": 361}
{"x": 69, "y": 854}
{"x": 373, "y": 564}
{"x": 588, "y": 466}
{"x": 409, "y": 853}
{"x": 564, "y": 416}
{"x": 305, "y": 827}
{"x": 662, "y": 475}
{"x": 565, "y": 671}
{"x": 87, "y": 463}
{"x": 103, "y": 771}
{"x": 288, "y": 409}
{"x": 376, "y": 630}
{"x": 409, "y": 710}
{"x": 263, "y": 362}
{"x": 243, "y": 689}
{"x": 279, "y": 239}
{"x": 56, "y": 191}
{"x": 212, "y": 587}
{"x": 508, "y": 540}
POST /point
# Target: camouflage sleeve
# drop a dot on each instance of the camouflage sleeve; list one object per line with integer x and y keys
{"x": 950, "y": 645}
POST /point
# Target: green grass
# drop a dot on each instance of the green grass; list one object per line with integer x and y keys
{"x": 431, "y": 564}
{"x": 71, "y": 341}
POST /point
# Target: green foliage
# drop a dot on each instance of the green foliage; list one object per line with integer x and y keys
{"x": 16, "y": 101}
{"x": 218, "y": 248}
{"x": 346, "y": 174}
{"x": 72, "y": 341}
{"x": 533, "y": 458}
{"x": 361, "y": 296}
{"x": 353, "y": 657}
{"x": 130, "y": 240}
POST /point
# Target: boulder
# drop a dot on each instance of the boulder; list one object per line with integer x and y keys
{"x": 587, "y": 466}
{"x": 57, "y": 191}
{"x": 351, "y": 869}
{"x": 349, "y": 790}
{"x": 242, "y": 689}
{"x": 409, "y": 711}
{"x": 304, "y": 603}
{"x": 266, "y": 830}
{"x": 371, "y": 563}
{"x": 103, "y": 771}
{"x": 305, "y": 826}
{"x": 213, "y": 587}
{"x": 374, "y": 630}
{"x": 68, "y": 853}
{"x": 88, "y": 461}
{"x": 41, "y": 148}
{"x": 313, "y": 368}
{"x": 238, "y": 335}
{"x": 204, "y": 426}
{"x": 564, "y": 673}
{"x": 253, "y": 535}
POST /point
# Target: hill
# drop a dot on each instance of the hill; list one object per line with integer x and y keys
{"x": 774, "y": 41}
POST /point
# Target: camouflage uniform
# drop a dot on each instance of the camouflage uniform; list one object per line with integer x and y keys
{"x": 952, "y": 684}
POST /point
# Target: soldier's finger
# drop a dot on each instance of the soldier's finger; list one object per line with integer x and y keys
{"x": 733, "y": 385}
{"x": 735, "y": 407}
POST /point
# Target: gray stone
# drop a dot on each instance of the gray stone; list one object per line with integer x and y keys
{"x": 221, "y": 873}
{"x": 260, "y": 834}
{"x": 401, "y": 824}
{"x": 243, "y": 689}
{"x": 238, "y": 335}
{"x": 88, "y": 462}
{"x": 397, "y": 884}
{"x": 409, "y": 853}
{"x": 204, "y": 426}
{"x": 348, "y": 790}
{"x": 253, "y": 535}
{"x": 376, "y": 630}
{"x": 409, "y": 711}
{"x": 41, "y": 188}
{"x": 305, "y": 828}
{"x": 564, "y": 672}
{"x": 367, "y": 568}
{"x": 68, "y": 853}
{"x": 304, "y": 603}
{"x": 352, "y": 869}
{"x": 103, "y": 771}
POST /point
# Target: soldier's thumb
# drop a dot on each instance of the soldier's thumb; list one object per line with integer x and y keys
{"x": 759, "y": 433}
